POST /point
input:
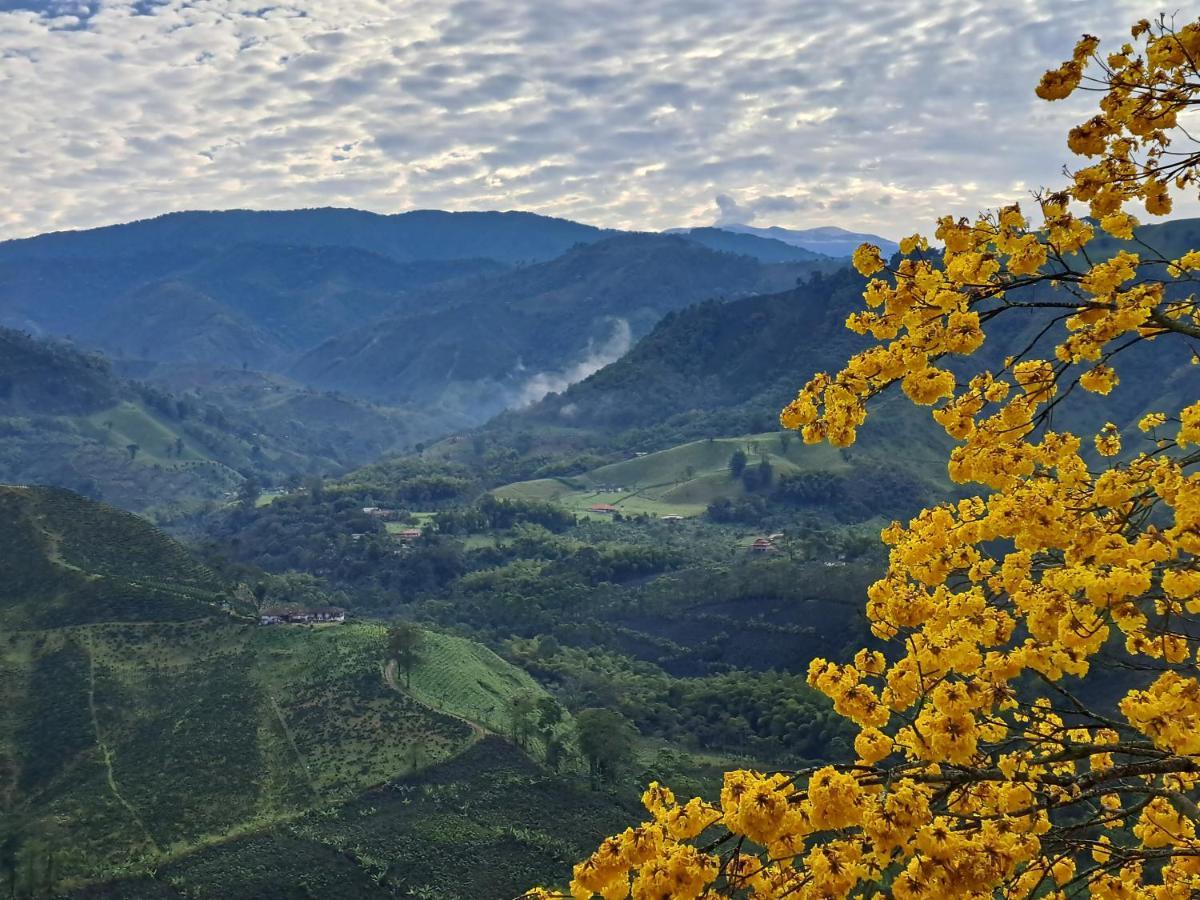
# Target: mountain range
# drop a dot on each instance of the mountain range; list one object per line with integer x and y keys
{"x": 296, "y": 359}
{"x": 574, "y": 459}
{"x": 827, "y": 240}
{"x": 462, "y": 313}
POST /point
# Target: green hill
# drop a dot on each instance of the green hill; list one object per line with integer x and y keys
{"x": 144, "y": 722}
{"x": 681, "y": 480}
{"x": 684, "y": 480}
{"x": 68, "y": 419}
{"x": 65, "y": 561}
{"x": 466, "y": 679}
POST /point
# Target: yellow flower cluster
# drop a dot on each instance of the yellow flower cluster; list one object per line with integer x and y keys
{"x": 964, "y": 784}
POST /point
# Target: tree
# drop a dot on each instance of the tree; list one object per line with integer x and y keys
{"x": 992, "y": 760}
{"x": 248, "y": 493}
{"x": 737, "y": 463}
{"x": 522, "y": 709}
{"x": 605, "y": 740}
{"x": 316, "y": 489}
{"x": 758, "y": 477}
{"x": 133, "y": 451}
{"x": 406, "y": 645}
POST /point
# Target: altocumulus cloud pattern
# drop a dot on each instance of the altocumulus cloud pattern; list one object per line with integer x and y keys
{"x": 623, "y": 113}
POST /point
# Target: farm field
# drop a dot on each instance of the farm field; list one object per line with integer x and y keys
{"x": 466, "y": 679}
{"x": 138, "y": 706}
{"x": 680, "y": 481}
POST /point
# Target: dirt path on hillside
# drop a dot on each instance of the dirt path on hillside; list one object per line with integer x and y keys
{"x": 478, "y": 732}
{"x": 106, "y": 752}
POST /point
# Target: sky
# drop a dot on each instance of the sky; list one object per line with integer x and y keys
{"x": 878, "y": 115}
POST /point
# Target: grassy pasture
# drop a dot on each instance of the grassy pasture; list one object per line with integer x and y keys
{"x": 680, "y": 481}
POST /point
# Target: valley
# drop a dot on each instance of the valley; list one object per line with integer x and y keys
{"x": 550, "y": 457}
{"x": 201, "y": 752}
{"x": 599, "y": 451}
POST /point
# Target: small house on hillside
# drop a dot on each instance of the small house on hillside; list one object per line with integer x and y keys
{"x": 671, "y": 519}
{"x": 762, "y": 545}
{"x": 606, "y": 508}
{"x": 407, "y": 535}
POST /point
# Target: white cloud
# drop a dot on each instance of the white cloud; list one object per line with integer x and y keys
{"x": 876, "y": 116}
{"x": 593, "y": 360}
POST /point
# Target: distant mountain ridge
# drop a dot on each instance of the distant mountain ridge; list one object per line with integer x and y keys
{"x": 402, "y": 237}
{"x": 764, "y": 249}
{"x": 262, "y": 289}
{"x": 482, "y": 341}
{"x": 828, "y": 240}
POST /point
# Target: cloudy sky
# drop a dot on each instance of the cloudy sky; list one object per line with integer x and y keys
{"x": 876, "y": 115}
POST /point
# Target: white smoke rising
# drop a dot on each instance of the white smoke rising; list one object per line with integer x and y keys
{"x": 595, "y": 358}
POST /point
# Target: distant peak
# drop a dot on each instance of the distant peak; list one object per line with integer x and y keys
{"x": 830, "y": 240}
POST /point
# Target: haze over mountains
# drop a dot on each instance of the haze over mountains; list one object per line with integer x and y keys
{"x": 825, "y": 241}
{"x": 451, "y": 310}
{"x": 501, "y": 426}
{"x": 294, "y": 343}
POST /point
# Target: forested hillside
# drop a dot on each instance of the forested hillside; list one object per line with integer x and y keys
{"x": 506, "y": 340}
{"x": 67, "y": 419}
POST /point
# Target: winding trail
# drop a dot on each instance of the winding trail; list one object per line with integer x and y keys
{"x": 287, "y": 733}
{"x": 106, "y": 752}
{"x": 478, "y": 732}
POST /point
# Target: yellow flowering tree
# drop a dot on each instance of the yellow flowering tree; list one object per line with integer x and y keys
{"x": 981, "y": 770}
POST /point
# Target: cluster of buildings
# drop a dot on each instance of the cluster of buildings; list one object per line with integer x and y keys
{"x": 325, "y": 614}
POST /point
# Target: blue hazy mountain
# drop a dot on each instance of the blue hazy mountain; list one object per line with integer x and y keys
{"x": 828, "y": 240}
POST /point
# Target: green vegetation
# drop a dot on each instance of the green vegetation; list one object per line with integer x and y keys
{"x": 66, "y": 419}
{"x": 143, "y": 727}
{"x": 682, "y": 480}
{"x": 466, "y": 679}
{"x": 65, "y": 560}
{"x": 514, "y": 823}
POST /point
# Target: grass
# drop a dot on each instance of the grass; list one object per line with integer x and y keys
{"x": 128, "y": 423}
{"x": 680, "y": 481}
